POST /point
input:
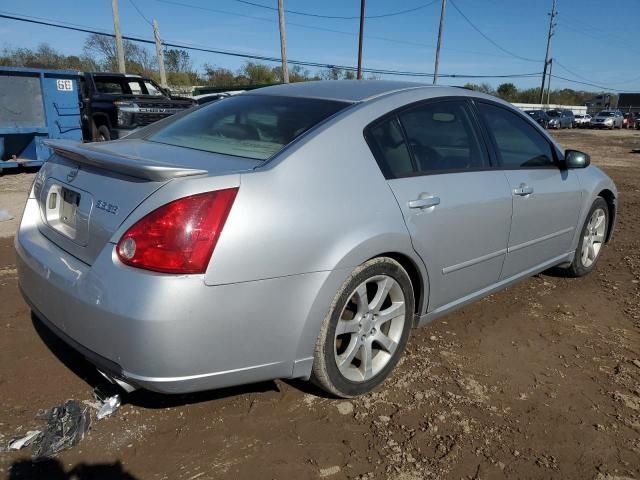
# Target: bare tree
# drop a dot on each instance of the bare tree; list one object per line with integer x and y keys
{"x": 137, "y": 59}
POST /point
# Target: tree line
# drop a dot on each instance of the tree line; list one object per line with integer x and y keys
{"x": 511, "y": 93}
{"x": 99, "y": 54}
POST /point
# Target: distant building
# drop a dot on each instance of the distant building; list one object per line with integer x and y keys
{"x": 599, "y": 102}
{"x": 629, "y": 102}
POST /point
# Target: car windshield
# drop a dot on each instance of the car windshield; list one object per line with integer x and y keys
{"x": 606, "y": 114}
{"x": 152, "y": 89}
{"x": 251, "y": 126}
{"x": 579, "y": 116}
{"x": 553, "y": 113}
{"x": 534, "y": 113}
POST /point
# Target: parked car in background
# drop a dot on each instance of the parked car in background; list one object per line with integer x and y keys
{"x": 607, "y": 119}
{"x": 628, "y": 121}
{"x": 115, "y": 104}
{"x": 582, "y": 121}
{"x": 539, "y": 116}
{"x": 207, "y": 251}
{"x": 636, "y": 119}
{"x": 209, "y": 97}
{"x": 560, "y": 118}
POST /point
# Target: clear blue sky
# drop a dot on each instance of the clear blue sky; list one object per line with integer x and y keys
{"x": 597, "y": 41}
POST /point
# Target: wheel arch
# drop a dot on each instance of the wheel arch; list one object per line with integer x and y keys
{"x": 417, "y": 282}
{"x": 610, "y": 198}
{"x": 100, "y": 119}
{"x": 336, "y": 278}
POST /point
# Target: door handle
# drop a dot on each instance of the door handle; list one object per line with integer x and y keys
{"x": 424, "y": 202}
{"x": 523, "y": 190}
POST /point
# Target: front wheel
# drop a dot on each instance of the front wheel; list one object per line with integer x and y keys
{"x": 366, "y": 330}
{"x": 592, "y": 239}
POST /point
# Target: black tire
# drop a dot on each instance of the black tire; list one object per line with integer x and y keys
{"x": 102, "y": 134}
{"x": 577, "y": 268}
{"x": 325, "y": 372}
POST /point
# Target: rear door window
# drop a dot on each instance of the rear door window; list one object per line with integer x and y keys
{"x": 442, "y": 137}
{"x": 518, "y": 143}
{"x": 252, "y": 126}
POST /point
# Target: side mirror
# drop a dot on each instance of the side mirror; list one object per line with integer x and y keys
{"x": 576, "y": 159}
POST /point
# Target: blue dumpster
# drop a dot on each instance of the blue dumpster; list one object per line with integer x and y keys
{"x": 36, "y": 104}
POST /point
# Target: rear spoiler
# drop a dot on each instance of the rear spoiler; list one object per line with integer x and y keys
{"x": 132, "y": 166}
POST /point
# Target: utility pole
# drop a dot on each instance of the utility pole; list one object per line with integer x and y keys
{"x": 435, "y": 69}
{"x": 283, "y": 42}
{"x": 552, "y": 16}
{"x": 549, "y": 80}
{"x": 160, "y": 54}
{"x": 359, "y": 75}
{"x": 116, "y": 28}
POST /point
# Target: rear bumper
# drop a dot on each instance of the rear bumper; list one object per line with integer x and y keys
{"x": 170, "y": 334}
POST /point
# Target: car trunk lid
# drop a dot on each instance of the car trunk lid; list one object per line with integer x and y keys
{"x": 85, "y": 192}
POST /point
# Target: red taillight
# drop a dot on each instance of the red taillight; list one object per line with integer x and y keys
{"x": 178, "y": 237}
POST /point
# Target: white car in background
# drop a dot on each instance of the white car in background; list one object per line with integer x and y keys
{"x": 582, "y": 121}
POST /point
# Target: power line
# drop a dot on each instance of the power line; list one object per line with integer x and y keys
{"x": 140, "y": 13}
{"x": 601, "y": 87}
{"x": 589, "y": 79}
{"x": 85, "y": 29}
{"x": 325, "y": 29}
{"x": 555, "y": 60}
{"x": 495, "y": 44}
{"x": 339, "y": 17}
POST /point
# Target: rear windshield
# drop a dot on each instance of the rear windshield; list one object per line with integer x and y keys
{"x": 553, "y": 113}
{"x": 605, "y": 114}
{"x": 251, "y": 126}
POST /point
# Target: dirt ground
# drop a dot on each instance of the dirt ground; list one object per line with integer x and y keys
{"x": 541, "y": 380}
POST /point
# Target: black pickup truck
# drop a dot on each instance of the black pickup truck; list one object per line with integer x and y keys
{"x": 112, "y": 105}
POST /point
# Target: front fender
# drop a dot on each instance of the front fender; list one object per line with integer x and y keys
{"x": 593, "y": 181}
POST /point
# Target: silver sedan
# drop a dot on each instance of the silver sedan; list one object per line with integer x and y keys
{"x": 299, "y": 231}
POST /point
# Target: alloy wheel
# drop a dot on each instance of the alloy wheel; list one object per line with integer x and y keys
{"x": 593, "y": 237}
{"x": 369, "y": 328}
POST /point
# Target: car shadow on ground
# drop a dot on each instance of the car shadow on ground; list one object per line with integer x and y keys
{"x": 52, "y": 469}
{"x": 82, "y": 368}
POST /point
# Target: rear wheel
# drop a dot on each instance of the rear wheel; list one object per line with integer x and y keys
{"x": 366, "y": 330}
{"x": 592, "y": 239}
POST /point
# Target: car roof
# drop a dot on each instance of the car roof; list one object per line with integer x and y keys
{"x": 347, "y": 90}
{"x": 115, "y": 74}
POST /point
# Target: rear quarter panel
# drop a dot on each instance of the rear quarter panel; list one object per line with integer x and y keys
{"x": 323, "y": 204}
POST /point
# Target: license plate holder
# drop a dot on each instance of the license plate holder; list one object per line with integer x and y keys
{"x": 69, "y": 207}
{"x": 67, "y": 210}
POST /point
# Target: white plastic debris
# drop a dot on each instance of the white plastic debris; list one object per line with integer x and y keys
{"x": 5, "y": 215}
{"x": 25, "y": 441}
{"x": 109, "y": 406}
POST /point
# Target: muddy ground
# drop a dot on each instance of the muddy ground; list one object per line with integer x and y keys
{"x": 541, "y": 380}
